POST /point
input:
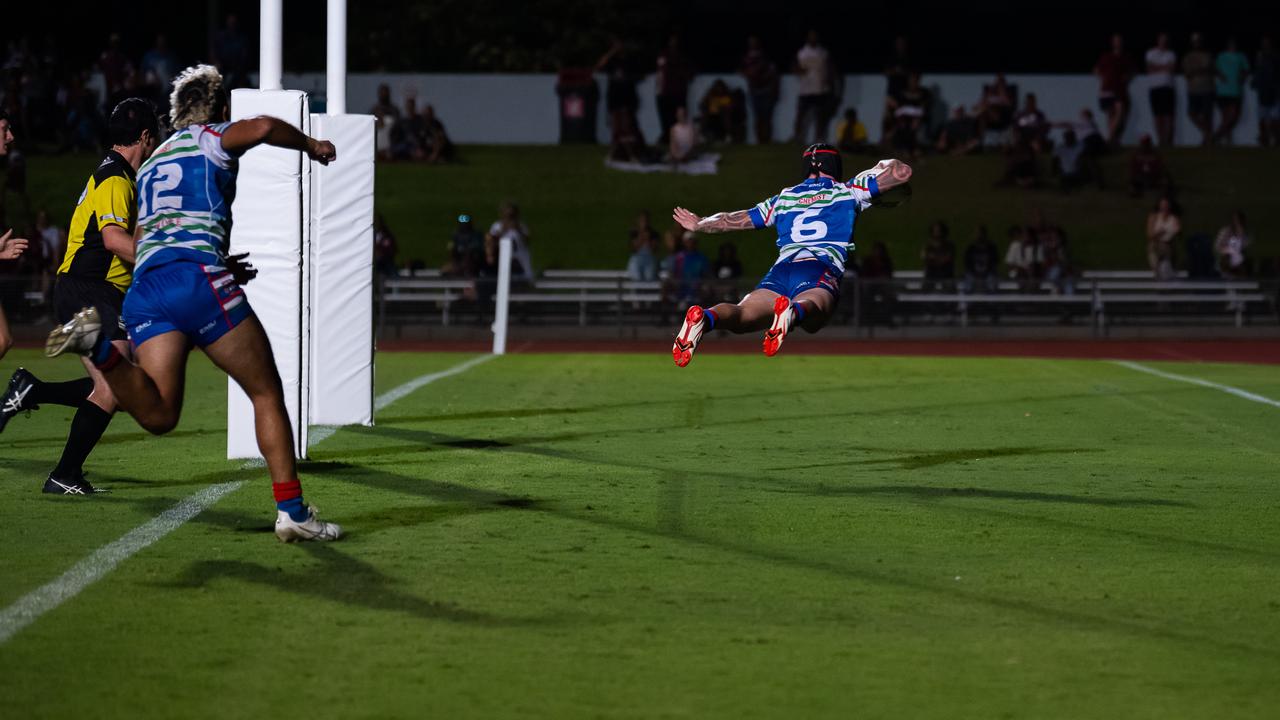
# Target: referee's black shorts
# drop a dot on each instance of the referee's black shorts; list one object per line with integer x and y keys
{"x": 72, "y": 294}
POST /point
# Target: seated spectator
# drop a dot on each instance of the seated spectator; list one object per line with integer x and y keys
{"x": 1068, "y": 162}
{"x": 409, "y": 136}
{"x": 1147, "y": 170}
{"x": 1230, "y": 246}
{"x": 1164, "y": 224}
{"x": 1023, "y": 258}
{"x": 384, "y": 248}
{"x": 1031, "y": 124}
{"x": 691, "y": 268}
{"x": 466, "y": 250}
{"x": 509, "y": 226}
{"x": 878, "y": 296}
{"x": 981, "y": 264}
{"x": 642, "y": 229}
{"x": 939, "y": 256}
{"x": 851, "y": 134}
{"x": 642, "y": 266}
{"x": 436, "y": 143}
{"x": 683, "y": 138}
{"x": 995, "y": 111}
{"x": 728, "y": 266}
{"x": 627, "y": 142}
{"x": 1055, "y": 262}
{"x": 717, "y": 112}
{"x": 1020, "y": 165}
{"x": 738, "y": 116}
{"x": 960, "y": 135}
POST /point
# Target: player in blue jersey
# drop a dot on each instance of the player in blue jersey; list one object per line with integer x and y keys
{"x": 186, "y": 287}
{"x": 815, "y": 222}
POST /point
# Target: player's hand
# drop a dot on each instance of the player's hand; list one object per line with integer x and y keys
{"x": 241, "y": 270}
{"x": 11, "y": 247}
{"x": 322, "y": 151}
{"x": 686, "y": 219}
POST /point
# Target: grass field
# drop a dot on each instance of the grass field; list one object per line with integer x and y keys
{"x": 606, "y": 536}
{"x": 579, "y": 211}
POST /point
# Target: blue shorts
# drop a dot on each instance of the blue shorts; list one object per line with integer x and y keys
{"x": 198, "y": 301}
{"x": 795, "y": 276}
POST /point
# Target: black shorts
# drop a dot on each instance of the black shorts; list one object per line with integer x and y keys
{"x": 1227, "y": 101}
{"x": 1200, "y": 103}
{"x": 1163, "y": 100}
{"x": 1106, "y": 102}
{"x": 72, "y": 294}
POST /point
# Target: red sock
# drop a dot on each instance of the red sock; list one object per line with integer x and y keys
{"x": 287, "y": 490}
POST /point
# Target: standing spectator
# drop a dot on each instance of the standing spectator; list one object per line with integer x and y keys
{"x": 508, "y": 225}
{"x": 762, "y": 78}
{"x": 717, "y": 113}
{"x": 851, "y": 134}
{"x": 981, "y": 264}
{"x": 939, "y": 256}
{"x": 995, "y": 111}
{"x": 683, "y": 138}
{"x": 1230, "y": 245}
{"x": 159, "y": 67}
{"x": 385, "y": 248}
{"x": 1233, "y": 68}
{"x": 385, "y": 115}
{"x": 1114, "y": 74}
{"x": 1197, "y": 66}
{"x": 52, "y": 247}
{"x": 1023, "y": 258}
{"x": 960, "y": 135}
{"x": 466, "y": 250}
{"x": 908, "y": 115}
{"x": 899, "y": 69}
{"x": 813, "y": 68}
{"x": 621, "y": 100}
{"x": 1147, "y": 170}
{"x": 231, "y": 54}
{"x": 671, "y": 85}
{"x": 1161, "y": 64}
{"x": 1266, "y": 80}
{"x": 1163, "y": 227}
{"x": 1031, "y": 124}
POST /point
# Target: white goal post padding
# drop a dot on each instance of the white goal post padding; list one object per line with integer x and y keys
{"x": 341, "y": 273}
{"x": 270, "y": 224}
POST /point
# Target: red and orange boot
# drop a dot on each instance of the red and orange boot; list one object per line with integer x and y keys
{"x": 690, "y": 334}
{"x": 783, "y": 314}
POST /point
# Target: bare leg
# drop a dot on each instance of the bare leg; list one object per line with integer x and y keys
{"x": 818, "y": 306}
{"x": 151, "y": 391}
{"x": 753, "y": 313}
{"x": 244, "y": 353}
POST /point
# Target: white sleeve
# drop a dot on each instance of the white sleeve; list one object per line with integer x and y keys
{"x": 209, "y": 139}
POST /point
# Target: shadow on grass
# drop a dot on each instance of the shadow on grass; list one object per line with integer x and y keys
{"x": 926, "y": 492}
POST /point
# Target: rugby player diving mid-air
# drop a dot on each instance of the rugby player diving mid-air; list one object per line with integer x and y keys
{"x": 815, "y": 233}
{"x": 186, "y": 288}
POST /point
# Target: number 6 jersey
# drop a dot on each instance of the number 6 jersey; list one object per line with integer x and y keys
{"x": 185, "y": 192}
{"x": 815, "y": 219}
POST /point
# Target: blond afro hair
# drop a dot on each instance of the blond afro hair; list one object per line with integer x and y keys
{"x": 197, "y": 98}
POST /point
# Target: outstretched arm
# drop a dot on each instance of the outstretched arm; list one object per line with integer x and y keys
{"x": 720, "y": 222}
{"x": 243, "y": 135}
{"x": 891, "y": 174}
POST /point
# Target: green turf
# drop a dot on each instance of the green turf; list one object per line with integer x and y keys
{"x": 579, "y": 211}
{"x": 607, "y": 536}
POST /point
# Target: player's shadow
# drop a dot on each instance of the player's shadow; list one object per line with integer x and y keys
{"x": 342, "y": 579}
{"x": 918, "y": 461}
{"x": 927, "y": 492}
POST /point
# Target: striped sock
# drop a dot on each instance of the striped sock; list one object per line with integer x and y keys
{"x": 289, "y": 499}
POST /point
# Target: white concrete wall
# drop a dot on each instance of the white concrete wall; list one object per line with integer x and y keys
{"x": 523, "y": 109}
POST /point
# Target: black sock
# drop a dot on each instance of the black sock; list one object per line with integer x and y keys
{"x": 70, "y": 393}
{"x": 86, "y": 428}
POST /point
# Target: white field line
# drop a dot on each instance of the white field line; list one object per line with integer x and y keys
{"x": 1198, "y": 381}
{"x": 28, "y": 608}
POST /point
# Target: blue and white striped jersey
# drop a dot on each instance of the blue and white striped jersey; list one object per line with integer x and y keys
{"x": 816, "y": 218}
{"x": 185, "y": 192}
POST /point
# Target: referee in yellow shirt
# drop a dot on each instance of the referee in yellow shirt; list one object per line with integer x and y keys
{"x": 96, "y": 271}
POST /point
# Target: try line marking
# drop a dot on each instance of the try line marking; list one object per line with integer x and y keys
{"x": 1197, "y": 381}
{"x": 28, "y": 608}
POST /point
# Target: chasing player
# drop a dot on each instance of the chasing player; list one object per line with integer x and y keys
{"x": 186, "y": 288}
{"x": 10, "y": 248}
{"x": 95, "y": 272}
{"x": 815, "y": 231}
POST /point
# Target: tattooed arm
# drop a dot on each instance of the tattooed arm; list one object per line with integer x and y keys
{"x": 892, "y": 174}
{"x": 720, "y": 222}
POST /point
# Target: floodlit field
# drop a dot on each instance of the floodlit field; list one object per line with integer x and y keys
{"x": 608, "y": 536}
